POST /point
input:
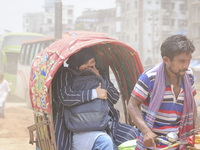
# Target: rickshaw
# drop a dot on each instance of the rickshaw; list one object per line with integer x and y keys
{"x": 112, "y": 55}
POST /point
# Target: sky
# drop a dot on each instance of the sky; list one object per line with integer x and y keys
{"x": 11, "y": 11}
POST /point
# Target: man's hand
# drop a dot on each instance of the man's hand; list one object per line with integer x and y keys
{"x": 149, "y": 140}
{"x": 101, "y": 93}
{"x": 191, "y": 148}
{"x": 134, "y": 106}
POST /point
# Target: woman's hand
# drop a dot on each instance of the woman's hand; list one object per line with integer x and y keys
{"x": 94, "y": 69}
{"x": 101, "y": 93}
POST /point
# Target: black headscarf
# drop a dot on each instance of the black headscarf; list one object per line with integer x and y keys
{"x": 80, "y": 58}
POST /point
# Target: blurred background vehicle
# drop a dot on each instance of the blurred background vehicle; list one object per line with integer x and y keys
{"x": 9, "y": 52}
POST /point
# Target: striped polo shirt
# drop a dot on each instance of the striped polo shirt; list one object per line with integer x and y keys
{"x": 170, "y": 112}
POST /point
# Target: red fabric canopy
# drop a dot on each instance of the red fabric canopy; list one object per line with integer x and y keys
{"x": 47, "y": 62}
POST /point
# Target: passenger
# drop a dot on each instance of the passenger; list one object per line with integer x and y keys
{"x": 166, "y": 95}
{"x": 4, "y": 91}
{"x": 107, "y": 139}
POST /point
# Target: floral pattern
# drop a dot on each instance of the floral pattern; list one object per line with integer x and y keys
{"x": 40, "y": 76}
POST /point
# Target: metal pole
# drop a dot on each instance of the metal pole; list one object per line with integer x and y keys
{"x": 141, "y": 28}
{"x": 58, "y": 19}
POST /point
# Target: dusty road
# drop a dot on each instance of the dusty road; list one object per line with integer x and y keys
{"x": 14, "y": 134}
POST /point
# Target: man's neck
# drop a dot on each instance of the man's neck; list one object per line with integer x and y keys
{"x": 172, "y": 77}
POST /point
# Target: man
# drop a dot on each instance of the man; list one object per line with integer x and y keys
{"x": 4, "y": 91}
{"x": 166, "y": 95}
{"x": 92, "y": 140}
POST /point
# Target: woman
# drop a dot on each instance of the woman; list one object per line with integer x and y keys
{"x": 102, "y": 140}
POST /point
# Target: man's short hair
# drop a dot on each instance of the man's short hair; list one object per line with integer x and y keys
{"x": 175, "y": 45}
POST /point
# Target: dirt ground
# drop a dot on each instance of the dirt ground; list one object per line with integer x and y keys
{"x": 14, "y": 134}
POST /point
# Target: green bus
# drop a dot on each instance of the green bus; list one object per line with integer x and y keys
{"x": 9, "y": 52}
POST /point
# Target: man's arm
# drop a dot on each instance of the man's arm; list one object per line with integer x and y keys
{"x": 134, "y": 111}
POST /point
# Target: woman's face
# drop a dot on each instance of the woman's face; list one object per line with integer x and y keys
{"x": 88, "y": 64}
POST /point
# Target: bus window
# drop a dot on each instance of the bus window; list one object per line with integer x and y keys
{"x": 37, "y": 49}
{"x": 24, "y": 54}
{"x": 33, "y": 48}
{"x": 42, "y": 46}
{"x": 27, "y": 54}
{"x": 21, "y": 55}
